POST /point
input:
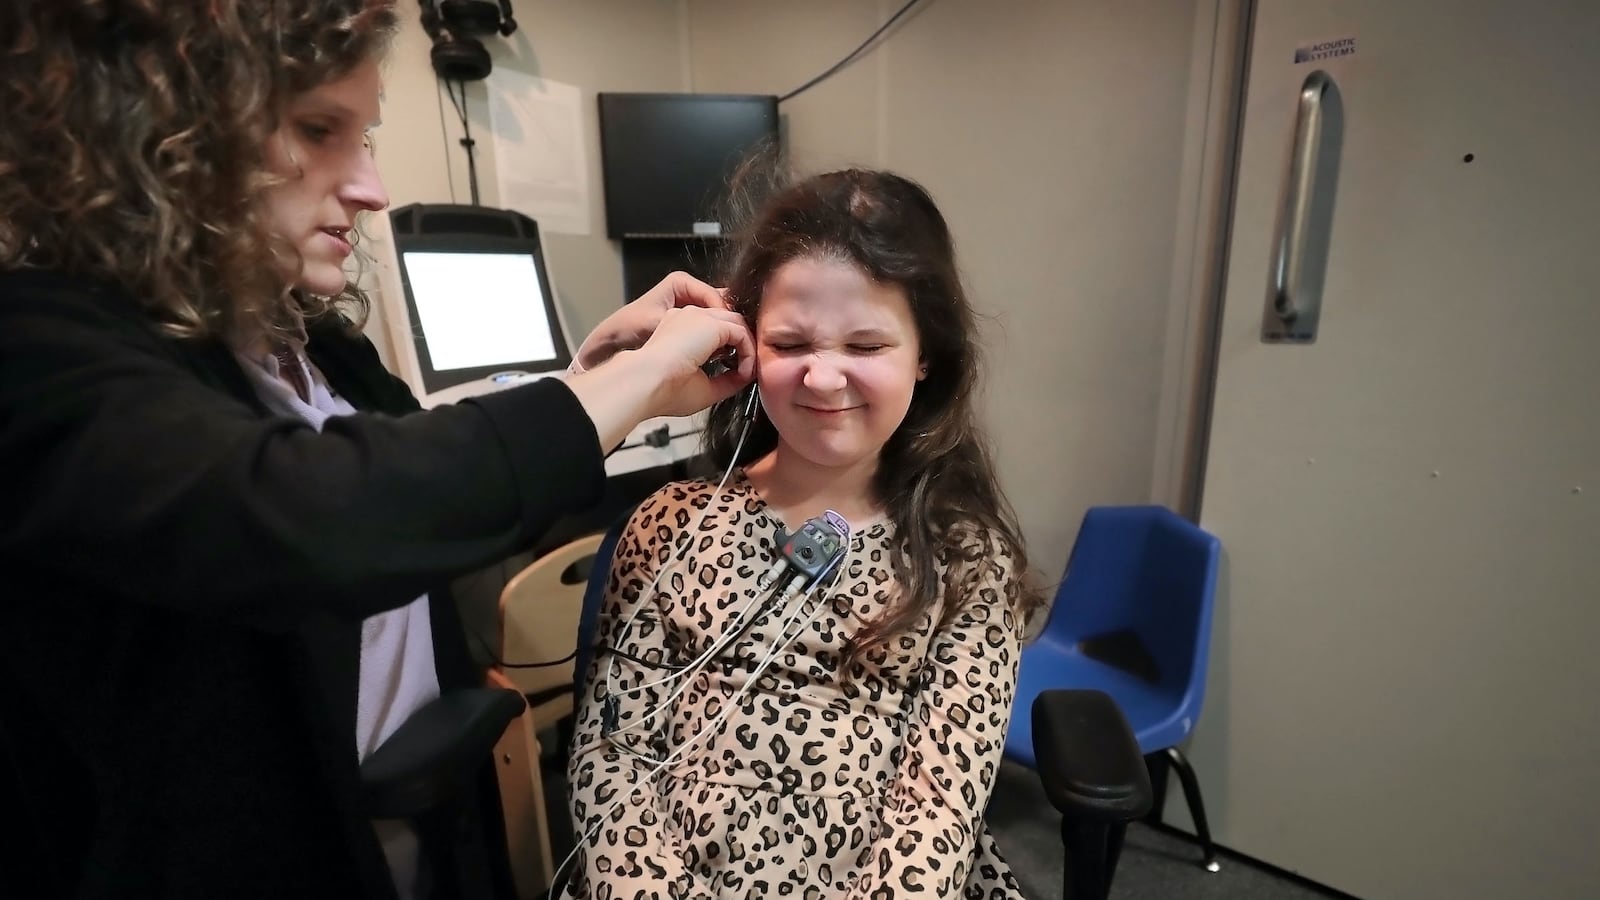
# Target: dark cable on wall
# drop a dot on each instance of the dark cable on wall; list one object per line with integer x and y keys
{"x": 466, "y": 140}
{"x": 853, "y": 53}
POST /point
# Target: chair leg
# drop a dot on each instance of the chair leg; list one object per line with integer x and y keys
{"x": 1197, "y": 809}
{"x": 1156, "y": 764}
{"x": 1087, "y": 848}
{"x": 522, "y": 802}
{"x": 456, "y": 861}
{"x": 1114, "y": 851}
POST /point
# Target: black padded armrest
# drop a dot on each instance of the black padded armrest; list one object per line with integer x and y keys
{"x": 1088, "y": 759}
{"x": 434, "y": 754}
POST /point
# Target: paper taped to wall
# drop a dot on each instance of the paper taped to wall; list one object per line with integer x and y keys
{"x": 540, "y": 151}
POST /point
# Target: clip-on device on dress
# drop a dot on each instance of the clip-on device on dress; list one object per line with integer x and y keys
{"x": 808, "y": 560}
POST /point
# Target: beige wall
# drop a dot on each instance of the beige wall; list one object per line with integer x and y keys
{"x": 1052, "y": 133}
{"x": 598, "y": 45}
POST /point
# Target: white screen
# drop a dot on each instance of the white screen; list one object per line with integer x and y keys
{"x": 480, "y": 309}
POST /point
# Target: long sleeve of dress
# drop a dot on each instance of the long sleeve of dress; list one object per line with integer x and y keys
{"x": 932, "y": 814}
{"x": 625, "y": 841}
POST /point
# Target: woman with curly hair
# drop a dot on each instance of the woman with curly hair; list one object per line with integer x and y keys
{"x": 226, "y": 528}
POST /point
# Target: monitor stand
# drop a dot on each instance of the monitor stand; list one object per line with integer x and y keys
{"x": 497, "y": 382}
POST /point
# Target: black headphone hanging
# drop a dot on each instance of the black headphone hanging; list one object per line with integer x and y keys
{"x": 479, "y": 18}
{"x": 455, "y": 27}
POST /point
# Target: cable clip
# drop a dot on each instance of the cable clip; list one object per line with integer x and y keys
{"x": 817, "y": 548}
{"x": 609, "y": 714}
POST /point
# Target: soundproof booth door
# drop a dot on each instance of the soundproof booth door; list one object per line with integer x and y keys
{"x": 1404, "y": 455}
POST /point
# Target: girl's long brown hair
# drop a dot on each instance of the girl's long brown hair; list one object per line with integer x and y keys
{"x": 935, "y": 475}
{"x": 132, "y": 148}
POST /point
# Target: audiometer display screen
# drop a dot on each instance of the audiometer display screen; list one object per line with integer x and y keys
{"x": 481, "y": 309}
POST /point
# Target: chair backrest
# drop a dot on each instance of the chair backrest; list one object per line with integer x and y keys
{"x": 1148, "y": 571}
{"x": 594, "y": 594}
{"x": 540, "y": 609}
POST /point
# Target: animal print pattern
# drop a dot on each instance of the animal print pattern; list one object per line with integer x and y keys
{"x": 869, "y": 783}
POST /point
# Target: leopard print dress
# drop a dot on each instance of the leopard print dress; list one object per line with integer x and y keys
{"x": 814, "y": 785}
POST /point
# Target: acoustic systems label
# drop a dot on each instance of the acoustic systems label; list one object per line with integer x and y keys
{"x": 1318, "y": 51}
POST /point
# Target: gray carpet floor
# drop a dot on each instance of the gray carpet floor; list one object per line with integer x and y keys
{"x": 1155, "y": 864}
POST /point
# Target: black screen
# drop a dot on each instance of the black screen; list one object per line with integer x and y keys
{"x": 666, "y": 158}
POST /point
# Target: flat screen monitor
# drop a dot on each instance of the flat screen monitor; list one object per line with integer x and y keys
{"x": 666, "y": 159}
{"x": 479, "y": 307}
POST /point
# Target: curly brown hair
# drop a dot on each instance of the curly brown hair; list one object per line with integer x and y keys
{"x": 935, "y": 474}
{"x": 133, "y": 150}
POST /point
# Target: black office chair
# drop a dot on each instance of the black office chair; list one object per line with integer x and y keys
{"x": 1094, "y": 775}
{"x": 428, "y": 772}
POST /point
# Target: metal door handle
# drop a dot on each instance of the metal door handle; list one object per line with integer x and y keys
{"x": 1294, "y": 225}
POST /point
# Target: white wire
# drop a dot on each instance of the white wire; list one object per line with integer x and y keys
{"x": 683, "y": 548}
{"x": 727, "y": 637}
{"x": 714, "y": 727}
{"x": 692, "y": 670}
{"x": 782, "y": 641}
{"x": 777, "y": 645}
{"x": 689, "y": 672}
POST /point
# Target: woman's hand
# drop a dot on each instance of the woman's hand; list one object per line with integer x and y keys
{"x": 675, "y": 356}
{"x": 631, "y": 326}
{"x": 664, "y": 376}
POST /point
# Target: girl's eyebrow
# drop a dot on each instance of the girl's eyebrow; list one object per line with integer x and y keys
{"x": 873, "y": 332}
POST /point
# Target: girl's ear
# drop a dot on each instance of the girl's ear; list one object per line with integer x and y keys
{"x": 922, "y": 369}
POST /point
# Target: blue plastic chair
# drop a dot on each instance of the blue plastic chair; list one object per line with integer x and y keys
{"x": 1133, "y": 619}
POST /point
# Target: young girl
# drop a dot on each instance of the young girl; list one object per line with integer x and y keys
{"x": 843, "y": 741}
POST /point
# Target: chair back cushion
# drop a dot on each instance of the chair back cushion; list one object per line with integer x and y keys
{"x": 593, "y": 595}
{"x": 1176, "y": 588}
{"x": 1138, "y": 593}
{"x": 540, "y": 609}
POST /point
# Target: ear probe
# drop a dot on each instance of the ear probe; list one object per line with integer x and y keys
{"x": 724, "y": 361}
